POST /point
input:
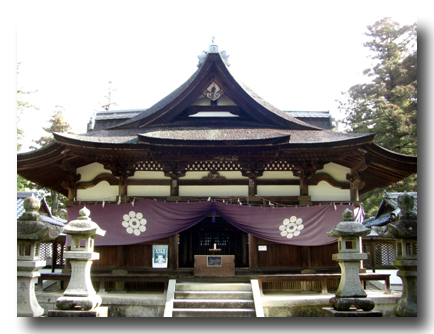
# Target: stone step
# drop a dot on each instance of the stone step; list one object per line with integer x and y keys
{"x": 188, "y": 286}
{"x": 214, "y": 312}
{"x": 214, "y": 295}
{"x": 212, "y": 304}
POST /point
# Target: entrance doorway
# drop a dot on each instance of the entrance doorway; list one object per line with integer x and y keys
{"x": 199, "y": 239}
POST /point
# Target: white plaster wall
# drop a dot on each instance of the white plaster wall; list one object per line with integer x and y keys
{"x": 102, "y": 191}
{"x": 278, "y": 190}
{"x": 148, "y": 175}
{"x": 287, "y": 175}
{"x": 89, "y": 172}
{"x": 225, "y": 101}
{"x": 325, "y": 192}
{"x": 336, "y": 171}
{"x": 148, "y": 191}
{"x": 213, "y": 190}
{"x": 202, "y": 101}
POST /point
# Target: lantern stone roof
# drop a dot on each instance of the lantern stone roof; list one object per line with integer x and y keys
{"x": 212, "y": 113}
{"x": 45, "y": 212}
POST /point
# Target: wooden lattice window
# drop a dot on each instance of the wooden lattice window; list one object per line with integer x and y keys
{"x": 366, "y": 248}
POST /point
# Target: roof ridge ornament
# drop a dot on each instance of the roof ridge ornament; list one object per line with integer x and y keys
{"x": 212, "y": 48}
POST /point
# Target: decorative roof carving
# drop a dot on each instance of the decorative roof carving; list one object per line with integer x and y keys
{"x": 212, "y": 48}
{"x": 213, "y": 92}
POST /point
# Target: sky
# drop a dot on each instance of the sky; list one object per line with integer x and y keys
{"x": 299, "y": 63}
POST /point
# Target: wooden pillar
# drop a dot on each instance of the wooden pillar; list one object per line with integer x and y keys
{"x": 174, "y": 187}
{"x": 306, "y": 257}
{"x": 120, "y": 257}
{"x": 123, "y": 187}
{"x": 356, "y": 184}
{"x": 174, "y": 170}
{"x": 252, "y": 170}
{"x": 53, "y": 255}
{"x": 173, "y": 252}
{"x": 253, "y": 187}
{"x": 305, "y": 171}
{"x": 253, "y": 252}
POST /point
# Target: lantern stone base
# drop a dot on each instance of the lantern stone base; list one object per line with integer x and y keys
{"x": 78, "y": 303}
{"x": 100, "y": 312}
{"x": 27, "y": 274}
{"x": 344, "y": 304}
{"x": 329, "y": 312}
{"x": 407, "y": 304}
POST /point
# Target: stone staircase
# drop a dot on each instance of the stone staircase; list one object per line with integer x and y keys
{"x": 198, "y": 299}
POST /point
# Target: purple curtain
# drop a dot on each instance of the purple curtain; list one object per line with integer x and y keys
{"x": 300, "y": 226}
{"x": 150, "y": 220}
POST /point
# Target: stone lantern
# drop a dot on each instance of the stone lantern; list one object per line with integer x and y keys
{"x": 350, "y": 291}
{"x": 31, "y": 231}
{"x": 80, "y": 294}
{"x": 405, "y": 233}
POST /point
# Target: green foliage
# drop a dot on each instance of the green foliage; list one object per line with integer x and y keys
{"x": 387, "y": 105}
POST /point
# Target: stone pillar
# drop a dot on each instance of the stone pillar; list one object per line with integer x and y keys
{"x": 350, "y": 291}
{"x": 31, "y": 231}
{"x": 405, "y": 232}
{"x": 80, "y": 294}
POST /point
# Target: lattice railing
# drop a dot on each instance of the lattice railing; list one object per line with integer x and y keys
{"x": 385, "y": 254}
{"x": 218, "y": 165}
{"x": 380, "y": 254}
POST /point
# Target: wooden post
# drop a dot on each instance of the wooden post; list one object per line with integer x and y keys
{"x": 356, "y": 184}
{"x": 174, "y": 188}
{"x": 253, "y": 187}
{"x": 123, "y": 186}
{"x": 173, "y": 252}
{"x": 253, "y": 252}
{"x": 120, "y": 257}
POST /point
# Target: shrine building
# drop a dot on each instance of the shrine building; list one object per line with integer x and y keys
{"x": 214, "y": 170}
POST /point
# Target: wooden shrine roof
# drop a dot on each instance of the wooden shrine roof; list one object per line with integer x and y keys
{"x": 255, "y": 130}
{"x": 205, "y": 135}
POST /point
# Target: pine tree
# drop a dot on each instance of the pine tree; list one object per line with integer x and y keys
{"x": 58, "y": 124}
{"x": 387, "y": 105}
